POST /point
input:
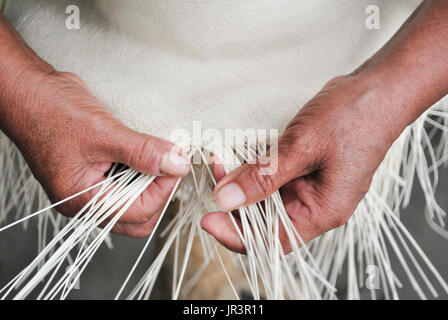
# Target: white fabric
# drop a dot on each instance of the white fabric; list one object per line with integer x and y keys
{"x": 160, "y": 64}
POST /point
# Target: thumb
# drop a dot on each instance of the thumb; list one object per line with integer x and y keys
{"x": 252, "y": 183}
{"x": 147, "y": 154}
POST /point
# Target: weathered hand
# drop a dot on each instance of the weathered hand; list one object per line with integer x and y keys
{"x": 326, "y": 160}
{"x": 69, "y": 141}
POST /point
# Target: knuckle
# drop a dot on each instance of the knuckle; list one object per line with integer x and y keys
{"x": 70, "y": 76}
{"x": 264, "y": 183}
{"x": 335, "y": 80}
{"x": 142, "y": 152}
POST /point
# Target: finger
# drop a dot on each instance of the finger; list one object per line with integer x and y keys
{"x": 91, "y": 175}
{"x": 251, "y": 183}
{"x": 218, "y": 169}
{"x": 76, "y": 79}
{"x": 136, "y": 230}
{"x": 220, "y": 225}
{"x": 144, "y": 207}
{"x": 151, "y": 201}
{"x": 315, "y": 209}
{"x": 146, "y": 154}
{"x": 299, "y": 212}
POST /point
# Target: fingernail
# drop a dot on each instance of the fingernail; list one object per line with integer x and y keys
{"x": 174, "y": 164}
{"x": 230, "y": 197}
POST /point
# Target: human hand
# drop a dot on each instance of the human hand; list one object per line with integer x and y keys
{"x": 70, "y": 140}
{"x": 327, "y": 157}
{"x": 329, "y": 152}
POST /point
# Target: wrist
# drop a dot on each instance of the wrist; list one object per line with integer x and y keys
{"x": 19, "y": 83}
{"x": 409, "y": 83}
{"x": 21, "y": 70}
{"x": 398, "y": 100}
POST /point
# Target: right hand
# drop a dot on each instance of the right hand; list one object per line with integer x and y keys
{"x": 70, "y": 140}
